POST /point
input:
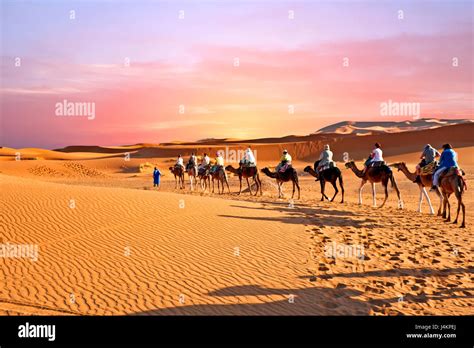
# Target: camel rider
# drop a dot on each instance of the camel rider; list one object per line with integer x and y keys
{"x": 192, "y": 162}
{"x": 449, "y": 158}
{"x": 219, "y": 163}
{"x": 180, "y": 162}
{"x": 204, "y": 163}
{"x": 375, "y": 158}
{"x": 248, "y": 159}
{"x": 285, "y": 162}
{"x": 428, "y": 156}
{"x": 325, "y": 160}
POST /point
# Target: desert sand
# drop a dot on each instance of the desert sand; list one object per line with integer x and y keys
{"x": 111, "y": 244}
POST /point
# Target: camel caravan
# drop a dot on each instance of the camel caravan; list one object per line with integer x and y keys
{"x": 444, "y": 178}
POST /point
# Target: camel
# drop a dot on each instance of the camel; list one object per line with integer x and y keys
{"x": 204, "y": 178}
{"x": 220, "y": 176}
{"x": 381, "y": 174}
{"x": 247, "y": 172}
{"x": 191, "y": 170}
{"x": 331, "y": 175}
{"x": 423, "y": 182}
{"x": 453, "y": 182}
{"x": 178, "y": 173}
{"x": 289, "y": 174}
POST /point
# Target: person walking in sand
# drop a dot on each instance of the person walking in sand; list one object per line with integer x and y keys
{"x": 156, "y": 177}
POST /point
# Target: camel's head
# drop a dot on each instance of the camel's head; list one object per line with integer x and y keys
{"x": 264, "y": 170}
{"x": 231, "y": 169}
{"x": 307, "y": 169}
{"x": 398, "y": 165}
{"x": 349, "y": 164}
{"x": 171, "y": 168}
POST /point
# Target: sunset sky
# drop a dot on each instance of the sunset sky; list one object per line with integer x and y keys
{"x": 190, "y": 62}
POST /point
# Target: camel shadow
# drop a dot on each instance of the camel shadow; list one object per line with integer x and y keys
{"x": 300, "y": 209}
{"x": 310, "y": 216}
{"x": 419, "y": 273}
{"x": 305, "y": 301}
{"x": 400, "y": 272}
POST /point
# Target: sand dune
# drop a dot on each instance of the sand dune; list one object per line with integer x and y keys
{"x": 122, "y": 251}
{"x": 365, "y": 128}
{"x": 304, "y": 148}
{"x": 109, "y": 243}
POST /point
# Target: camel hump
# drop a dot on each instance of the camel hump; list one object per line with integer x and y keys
{"x": 381, "y": 168}
{"x": 289, "y": 169}
{"x": 451, "y": 171}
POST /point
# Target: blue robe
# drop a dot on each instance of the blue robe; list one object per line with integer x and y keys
{"x": 156, "y": 177}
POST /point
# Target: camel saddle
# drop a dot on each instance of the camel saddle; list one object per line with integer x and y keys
{"x": 203, "y": 170}
{"x": 247, "y": 164}
{"x": 285, "y": 167}
{"x": 428, "y": 169}
{"x": 377, "y": 163}
{"x": 190, "y": 165}
{"x": 452, "y": 171}
{"x": 327, "y": 166}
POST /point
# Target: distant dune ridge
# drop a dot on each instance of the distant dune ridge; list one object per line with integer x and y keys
{"x": 396, "y": 138}
{"x": 373, "y": 127}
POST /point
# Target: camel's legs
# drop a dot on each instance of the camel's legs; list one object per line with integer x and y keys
{"x": 457, "y": 211}
{"x": 240, "y": 188}
{"x": 248, "y": 184}
{"x": 440, "y": 201}
{"x": 395, "y": 186}
{"x": 445, "y": 202}
{"x": 335, "y": 189}
{"x": 385, "y": 187}
{"x": 448, "y": 218}
{"x": 323, "y": 189}
{"x": 259, "y": 185}
{"x": 374, "y": 199}
{"x": 360, "y": 190}
{"x": 280, "y": 193}
{"x": 458, "y": 195}
{"x": 227, "y": 183}
{"x": 298, "y": 187}
{"x": 293, "y": 194}
{"x": 427, "y": 200}
{"x": 420, "y": 200}
{"x": 201, "y": 184}
{"x": 342, "y": 188}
